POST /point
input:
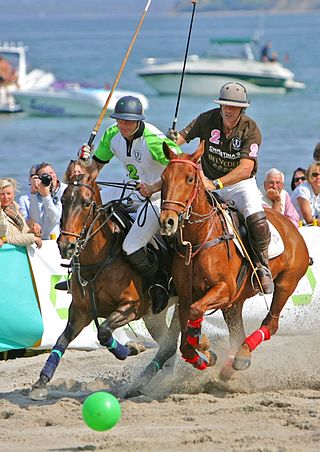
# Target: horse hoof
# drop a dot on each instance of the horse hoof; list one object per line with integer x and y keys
{"x": 227, "y": 370}
{"x": 38, "y": 393}
{"x": 136, "y": 347}
{"x": 241, "y": 363}
{"x": 212, "y": 358}
{"x": 133, "y": 392}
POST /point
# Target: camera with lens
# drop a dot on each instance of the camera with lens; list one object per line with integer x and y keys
{"x": 46, "y": 179}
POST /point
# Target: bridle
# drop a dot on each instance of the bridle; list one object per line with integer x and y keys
{"x": 87, "y": 232}
{"x": 184, "y": 210}
{"x": 179, "y": 207}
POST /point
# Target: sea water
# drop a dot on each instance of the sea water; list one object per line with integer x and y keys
{"x": 91, "y": 49}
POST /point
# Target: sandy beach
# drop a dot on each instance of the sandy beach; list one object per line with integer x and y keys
{"x": 273, "y": 406}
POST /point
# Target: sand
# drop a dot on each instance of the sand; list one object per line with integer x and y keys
{"x": 273, "y": 406}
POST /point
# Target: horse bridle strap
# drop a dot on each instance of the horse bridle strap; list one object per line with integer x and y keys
{"x": 77, "y": 183}
{"x": 170, "y": 204}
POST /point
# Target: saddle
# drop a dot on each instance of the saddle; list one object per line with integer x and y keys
{"x": 235, "y": 224}
{"x": 124, "y": 216}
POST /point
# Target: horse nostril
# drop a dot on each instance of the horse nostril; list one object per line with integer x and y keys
{"x": 171, "y": 222}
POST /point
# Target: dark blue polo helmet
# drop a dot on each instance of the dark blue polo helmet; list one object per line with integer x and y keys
{"x": 129, "y": 108}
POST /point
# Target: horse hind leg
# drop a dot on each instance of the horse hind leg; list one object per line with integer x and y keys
{"x": 234, "y": 321}
{"x": 167, "y": 338}
{"x": 284, "y": 287}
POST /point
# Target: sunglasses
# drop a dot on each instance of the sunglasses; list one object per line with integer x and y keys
{"x": 315, "y": 174}
{"x": 296, "y": 179}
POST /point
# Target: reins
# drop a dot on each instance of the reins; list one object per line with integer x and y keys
{"x": 186, "y": 213}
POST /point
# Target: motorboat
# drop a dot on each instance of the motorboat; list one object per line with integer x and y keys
{"x": 15, "y": 55}
{"x": 71, "y": 99}
{"x": 204, "y": 75}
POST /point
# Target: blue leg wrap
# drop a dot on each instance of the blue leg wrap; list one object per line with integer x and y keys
{"x": 118, "y": 350}
{"x": 53, "y": 361}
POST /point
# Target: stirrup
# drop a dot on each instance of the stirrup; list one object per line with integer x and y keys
{"x": 259, "y": 273}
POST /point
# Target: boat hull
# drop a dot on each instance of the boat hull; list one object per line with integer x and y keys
{"x": 74, "y": 102}
{"x": 204, "y": 77}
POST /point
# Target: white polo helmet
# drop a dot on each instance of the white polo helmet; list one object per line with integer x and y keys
{"x": 233, "y": 94}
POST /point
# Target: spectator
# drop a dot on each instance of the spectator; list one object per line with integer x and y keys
{"x": 75, "y": 168}
{"x": 265, "y": 52}
{"x": 8, "y": 74}
{"x": 316, "y": 153}
{"x": 13, "y": 227}
{"x": 298, "y": 177}
{"x": 45, "y": 203}
{"x": 306, "y": 197}
{"x": 24, "y": 202}
{"x": 276, "y": 197}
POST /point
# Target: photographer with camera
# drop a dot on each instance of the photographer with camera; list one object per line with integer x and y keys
{"x": 45, "y": 202}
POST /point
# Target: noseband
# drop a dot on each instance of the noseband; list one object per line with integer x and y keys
{"x": 178, "y": 206}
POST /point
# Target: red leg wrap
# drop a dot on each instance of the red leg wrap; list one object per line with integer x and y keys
{"x": 255, "y": 339}
{"x": 194, "y": 331}
{"x": 195, "y": 323}
{"x": 197, "y": 362}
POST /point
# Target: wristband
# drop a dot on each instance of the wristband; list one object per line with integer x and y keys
{"x": 217, "y": 184}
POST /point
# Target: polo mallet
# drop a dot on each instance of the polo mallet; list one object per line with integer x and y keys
{"x": 184, "y": 66}
{"x": 103, "y": 112}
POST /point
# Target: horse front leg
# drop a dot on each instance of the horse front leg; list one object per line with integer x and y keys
{"x": 39, "y": 389}
{"x": 193, "y": 340}
{"x": 125, "y": 313}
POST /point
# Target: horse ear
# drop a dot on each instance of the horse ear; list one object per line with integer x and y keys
{"x": 198, "y": 153}
{"x": 168, "y": 152}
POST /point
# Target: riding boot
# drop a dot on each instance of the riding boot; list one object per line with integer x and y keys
{"x": 260, "y": 236}
{"x": 64, "y": 285}
{"x": 146, "y": 262}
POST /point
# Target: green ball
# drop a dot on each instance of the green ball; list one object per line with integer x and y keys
{"x": 101, "y": 411}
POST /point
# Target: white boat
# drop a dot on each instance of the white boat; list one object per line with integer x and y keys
{"x": 35, "y": 79}
{"x": 71, "y": 99}
{"x": 205, "y": 75}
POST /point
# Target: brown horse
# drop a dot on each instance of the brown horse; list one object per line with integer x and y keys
{"x": 207, "y": 265}
{"x": 103, "y": 284}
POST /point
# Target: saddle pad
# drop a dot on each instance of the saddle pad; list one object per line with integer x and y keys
{"x": 276, "y": 246}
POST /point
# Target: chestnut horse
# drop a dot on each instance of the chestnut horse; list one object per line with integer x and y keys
{"x": 207, "y": 264}
{"x": 103, "y": 284}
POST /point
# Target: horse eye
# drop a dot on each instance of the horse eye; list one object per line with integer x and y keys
{"x": 86, "y": 204}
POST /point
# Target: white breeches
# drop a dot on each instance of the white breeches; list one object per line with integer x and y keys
{"x": 138, "y": 236}
{"x": 245, "y": 195}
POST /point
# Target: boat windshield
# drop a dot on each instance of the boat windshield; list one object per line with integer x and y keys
{"x": 232, "y": 48}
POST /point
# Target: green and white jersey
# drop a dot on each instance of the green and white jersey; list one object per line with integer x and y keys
{"x": 143, "y": 158}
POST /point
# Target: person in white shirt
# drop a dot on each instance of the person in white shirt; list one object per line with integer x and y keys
{"x": 276, "y": 197}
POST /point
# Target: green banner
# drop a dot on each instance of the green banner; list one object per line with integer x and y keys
{"x": 21, "y": 323}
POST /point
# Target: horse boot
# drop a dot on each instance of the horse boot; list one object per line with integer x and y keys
{"x": 146, "y": 262}
{"x": 260, "y": 236}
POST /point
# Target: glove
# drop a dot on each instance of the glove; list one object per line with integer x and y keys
{"x": 173, "y": 135}
{"x": 84, "y": 152}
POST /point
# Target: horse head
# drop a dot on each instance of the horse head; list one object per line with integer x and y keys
{"x": 180, "y": 183}
{"x": 79, "y": 203}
